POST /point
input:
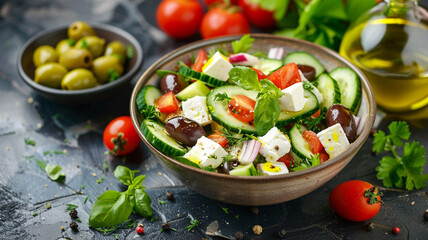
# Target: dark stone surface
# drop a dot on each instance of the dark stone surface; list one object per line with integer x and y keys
{"x": 77, "y": 131}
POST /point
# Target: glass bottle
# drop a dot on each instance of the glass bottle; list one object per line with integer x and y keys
{"x": 389, "y": 44}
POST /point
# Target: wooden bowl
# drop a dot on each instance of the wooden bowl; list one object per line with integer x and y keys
{"x": 260, "y": 190}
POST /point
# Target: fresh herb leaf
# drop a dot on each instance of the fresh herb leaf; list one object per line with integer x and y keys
{"x": 86, "y": 199}
{"x": 28, "y": 158}
{"x": 78, "y": 220}
{"x": 129, "y": 52}
{"x": 266, "y": 113}
{"x": 107, "y": 230}
{"x": 100, "y": 180}
{"x": 233, "y": 138}
{"x": 82, "y": 186}
{"x": 193, "y": 223}
{"x": 105, "y": 164}
{"x": 213, "y": 156}
{"x": 222, "y": 96}
{"x": 150, "y": 112}
{"x": 153, "y": 219}
{"x": 124, "y": 174}
{"x": 47, "y": 152}
{"x": 113, "y": 75}
{"x": 245, "y": 77}
{"x": 55, "y": 172}
{"x": 70, "y": 207}
{"x": 41, "y": 164}
{"x": 142, "y": 203}
{"x": 35, "y": 214}
{"x": 226, "y": 210}
{"x": 59, "y": 152}
{"x": 242, "y": 45}
{"x": 161, "y": 202}
{"x": 212, "y": 51}
{"x": 315, "y": 160}
{"x": 314, "y": 123}
{"x": 111, "y": 208}
{"x": 30, "y": 142}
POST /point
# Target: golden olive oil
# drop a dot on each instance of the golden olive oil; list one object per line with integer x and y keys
{"x": 393, "y": 54}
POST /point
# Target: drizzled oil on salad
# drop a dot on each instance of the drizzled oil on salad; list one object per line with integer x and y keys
{"x": 247, "y": 113}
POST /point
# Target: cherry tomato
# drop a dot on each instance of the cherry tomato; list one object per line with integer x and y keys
{"x": 257, "y": 16}
{"x": 242, "y": 108}
{"x": 351, "y": 200}
{"x": 179, "y": 18}
{"x": 260, "y": 74}
{"x": 287, "y": 159}
{"x": 314, "y": 142}
{"x": 285, "y": 76}
{"x": 200, "y": 61}
{"x": 323, "y": 156}
{"x": 167, "y": 103}
{"x": 120, "y": 136}
{"x": 209, "y": 3}
{"x": 221, "y": 22}
{"x": 218, "y": 138}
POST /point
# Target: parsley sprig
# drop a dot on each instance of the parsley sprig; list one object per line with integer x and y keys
{"x": 400, "y": 171}
{"x": 193, "y": 223}
{"x": 314, "y": 123}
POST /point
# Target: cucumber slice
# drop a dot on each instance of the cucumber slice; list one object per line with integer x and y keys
{"x": 299, "y": 145}
{"x": 268, "y": 65}
{"x": 197, "y": 88}
{"x": 220, "y": 112}
{"x": 310, "y": 108}
{"x": 329, "y": 90}
{"x": 210, "y": 81}
{"x": 146, "y": 101}
{"x": 306, "y": 59}
{"x": 156, "y": 135}
{"x": 350, "y": 87}
{"x": 243, "y": 170}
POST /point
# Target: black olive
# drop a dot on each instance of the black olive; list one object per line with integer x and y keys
{"x": 338, "y": 113}
{"x": 173, "y": 83}
{"x": 184, "y": 130}
{"x": 308, "y": 71}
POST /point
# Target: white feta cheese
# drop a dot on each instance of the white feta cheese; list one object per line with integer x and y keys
{"x": 218, "y": 67}
{"x": 274, "y": 145}
{"x": 195, "y": 108}
{"x": 334, "y": 140}
{"x": 272, "y": 168}
{"x": 314, "y": 90}
{"x": 293, "y": 98}
{"x": 206, "y": 152}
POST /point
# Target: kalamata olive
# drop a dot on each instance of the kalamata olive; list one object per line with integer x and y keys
{"x": 338, "y": 113}
{"x": 184, "y": 130}
{"x": 173, "y": 82}
{"x": 308, "y": 71}
{"x": 223, "y": 168}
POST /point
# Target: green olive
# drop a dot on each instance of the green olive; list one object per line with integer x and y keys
{"x": 80, "y": 29}
{"x": 107, "y": 68}
{"x": 76, "y": 58}
{"x": 44, "y": 54}
{"x": 77, "y": 79}
{"x": 64, "y": 45}
{"x": 50, "y": 74}
{"x": 94, "y": 44}
{"x": 116, "y": 48}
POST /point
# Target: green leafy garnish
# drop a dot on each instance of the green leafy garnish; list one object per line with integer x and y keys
{"x": 193, "y": 223}
{"x": 55, "y": 172}
{"x": 105, "y": 164}
{"x": 112, "y": 75}
{"x": 41, "y": 164}
{"x": 212, "y": 51}
{"x": 129, "y": 51}
{"x": 226, "y": 210}
{"x": 314, "y": 123}
{"x": 222, "y": 96}
{"x": 161, "y": 202}
{"x": 107, "y": 230}
{"x": 395, "y": 171}
{"x": 47, "y": 152}
{"x": 30, "y": 142}
{"x": 70, "y": 207}
{"x": 232, "y": 138}
{"x": 242, "y": 45}
{"x": 100, "y": 180}
{"x": 86, "y": 199}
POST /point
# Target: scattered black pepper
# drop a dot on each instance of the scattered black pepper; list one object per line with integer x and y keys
{"x": 370, "y": 226}
{"x": 239, "y": 236}
{"x": 281, "y": 233}
{"x": 73, "y": 213}
{"x": 166, "y": 226}
{"x": 74, "y": 226}
{"x": 255, "y": 210}
{"x": 169, "y": 195}
{"x": 426, "y": 215}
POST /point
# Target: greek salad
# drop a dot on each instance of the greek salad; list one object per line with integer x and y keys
{"x": 248, "y": 113}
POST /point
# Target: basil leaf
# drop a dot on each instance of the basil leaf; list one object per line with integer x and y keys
{"x": 268, "y": 87}
{"x": 55, "y": 172}
{"x": 138, "y": 181}
{"x": 356, "y": 8}
{"x": 142, "y": 203}
{"x": 111, "y": 208}
{"x": 124, "y": 174}
{"x": 242, "y": 45}
{"x": 245, "y": 77}
{"x": 266, "y": 113}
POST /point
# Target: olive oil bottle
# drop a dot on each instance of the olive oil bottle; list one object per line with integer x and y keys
{"x": 390, "y": 45}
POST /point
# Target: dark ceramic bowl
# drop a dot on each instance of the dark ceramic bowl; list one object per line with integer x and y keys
{"x": 261, "y": 190}
{"x": 52, "y": 37}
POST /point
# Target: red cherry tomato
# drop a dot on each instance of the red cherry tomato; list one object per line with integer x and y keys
{"x": 221, "y": 22}
{"x": 179, "y": 18}
{"x": 285, "y": 76}
{"x": 242, "y": 108}
{"x": 120, "y": 136}
{"x": 200, "y": 61}
{"x": 260, "y": 74}
{"x": 348, "y": 200}
{"x": 209, "y": 3}
{"x": 167, "y": 103}
{"x": 218, "y": 138}
{"x": 287, "y": 159}
{"x": 314, "y": 142}
{"x": 257, "y": 16}
{"x": 324, "y": 156}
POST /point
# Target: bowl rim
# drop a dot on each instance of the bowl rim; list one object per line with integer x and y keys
{"x": 205, "y": 43}
{"x": 101, "y": 88}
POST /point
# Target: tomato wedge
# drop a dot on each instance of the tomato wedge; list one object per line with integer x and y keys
{"x": 167, "y": 103}
{"x": 242, "y": 108}
{"x": 218, "y": 138}
{"x": 200, "y": 60}
{"x": 285, "y": 76}
{"x": 260, "y": 74}
{"x": 323, "y": 156}
{"x": 287, "y": 159}
{"x": 313, "y": 141}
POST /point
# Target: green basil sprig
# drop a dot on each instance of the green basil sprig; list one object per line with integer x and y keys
{"x": 112, "y": 207}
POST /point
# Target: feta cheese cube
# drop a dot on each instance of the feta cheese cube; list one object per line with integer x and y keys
{"x": 206, "y": 152}
{"x": 314, "y": 90}
{"x": 272, "y": 168}
{"x": 293, "y": 98}
{"x": 218, "y": 67}
{"x": 274, "y": 145}
{"x": 334, "y": 140}
{"x": 195, "y": 108}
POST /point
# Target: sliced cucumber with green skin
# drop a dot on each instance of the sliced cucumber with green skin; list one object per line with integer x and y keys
{"x": 311, "y": 107}
{"x": 305, "y": 59}
{"x": 210, "y": 81}
{"x": 299, "y": 145}
{"x": 268, "y": 65}
{"x": 146, "y": 101}
{"x": 197, "y": 88}
{"x": 243, "y": 170}
{"x": 329, "y": 90}
{"x": 220, "y": 112}
{"x": 155, "y": 133}
{"x": 350, "y": 87}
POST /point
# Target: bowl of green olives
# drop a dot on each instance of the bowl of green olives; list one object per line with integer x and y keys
{"x": 79, "y": 63}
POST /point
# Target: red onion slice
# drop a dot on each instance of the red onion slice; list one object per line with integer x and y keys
{"x": 249, "y": 152}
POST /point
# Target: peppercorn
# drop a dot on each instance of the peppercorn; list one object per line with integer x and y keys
{"x": 73, "y": 213}
{"x": 281, "y": 233}
{"x": 255, "y": 210}
{"x": 370, "y": 226}
{"x": 239, "y": 235}
{"x": 165, "y": 226}
{"x": 140, "y": 229}
{"x": 169, "y": 195}
{"x": 426, "y": 215}
{"x": 395, "y": 230}
{"x": 257, "y": 229}
{"x": 74, "y": 226}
